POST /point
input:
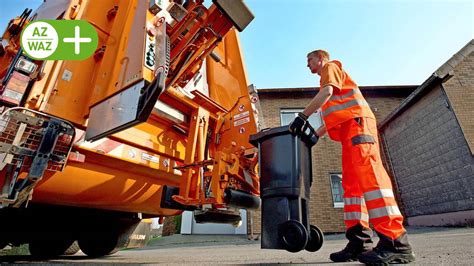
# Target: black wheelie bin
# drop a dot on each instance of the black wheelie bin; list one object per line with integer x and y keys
{"x": 285, "y": 181}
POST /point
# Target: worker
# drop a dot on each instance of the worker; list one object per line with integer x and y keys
{"x": 368, "y": 194}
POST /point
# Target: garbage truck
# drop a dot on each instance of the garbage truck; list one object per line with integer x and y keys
{"x": 155, "y": 122}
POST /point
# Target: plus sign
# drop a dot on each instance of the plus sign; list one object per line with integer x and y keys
{"x": 77, "y": 40}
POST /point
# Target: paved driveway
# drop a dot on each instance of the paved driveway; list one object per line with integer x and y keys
{"x": 433, "y": 246}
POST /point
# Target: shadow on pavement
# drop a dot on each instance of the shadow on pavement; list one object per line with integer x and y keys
{"x": 111, "y": 259}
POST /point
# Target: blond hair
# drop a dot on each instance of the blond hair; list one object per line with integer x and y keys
{"x": 320, "y": 54}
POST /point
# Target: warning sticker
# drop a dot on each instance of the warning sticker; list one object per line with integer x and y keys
{"x": 151, "y": 158}
{"x": 241, "y": 115}
{"x": 67, "y": 75}
{"x": 241, "y": 121}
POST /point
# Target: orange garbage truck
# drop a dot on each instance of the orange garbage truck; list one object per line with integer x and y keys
{"x": 155, "y": 122}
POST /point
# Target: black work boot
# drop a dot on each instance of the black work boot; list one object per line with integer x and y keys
{"x": 359, "y": 241}
{"x": 346, "y": 254}
{"x": 389, "y": 251}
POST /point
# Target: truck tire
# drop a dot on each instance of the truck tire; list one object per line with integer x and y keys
{"x": 72, "y": 249}
{"x": 49, "y": 248}
{"x": 3, "y": 244}
{"x": 98, "y": 245}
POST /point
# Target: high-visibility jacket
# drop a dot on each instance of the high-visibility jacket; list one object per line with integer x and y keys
{"x": 368, "y": 194}
{"x": 346, "y": 102}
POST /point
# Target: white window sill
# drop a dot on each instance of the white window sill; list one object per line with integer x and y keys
{"x": 338, "y": 205}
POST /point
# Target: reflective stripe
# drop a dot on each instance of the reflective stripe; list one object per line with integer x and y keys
{"x": 362, "y": 139}
{"x": 356, "y": 216}
{"x": 384, "y": 211}
{"x": 354, "y": 201}
{"x": 344, "y": 96}
{"x": 378, "y": 193}
{"x": 343, "y": 106}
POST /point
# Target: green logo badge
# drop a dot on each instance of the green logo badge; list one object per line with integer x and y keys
{"x": 59, "y": 39}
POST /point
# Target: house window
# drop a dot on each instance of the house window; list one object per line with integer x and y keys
{"x": 337, "y": 191}
{"x": 288, "y": 115}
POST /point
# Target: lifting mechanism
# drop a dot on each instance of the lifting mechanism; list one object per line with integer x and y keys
{"x": 33, "y": 141}
{"x": 156, "y": 122}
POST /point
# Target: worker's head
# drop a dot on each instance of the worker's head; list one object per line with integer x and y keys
{"x": 316, "y": 60}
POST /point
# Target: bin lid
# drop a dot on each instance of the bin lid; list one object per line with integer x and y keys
{"x": 310, "y": 138}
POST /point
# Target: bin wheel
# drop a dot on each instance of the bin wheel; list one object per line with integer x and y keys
{"x": 316, "y": 239}
{"x": 293, "y": 235}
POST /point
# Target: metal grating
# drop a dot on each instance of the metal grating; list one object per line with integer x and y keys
{"x": 21, "y": 133}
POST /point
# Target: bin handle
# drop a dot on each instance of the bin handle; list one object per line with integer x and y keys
{"x": 311, "y": 134}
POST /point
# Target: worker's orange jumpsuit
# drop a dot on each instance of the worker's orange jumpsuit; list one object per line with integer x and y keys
{"x": 368, "y": 194}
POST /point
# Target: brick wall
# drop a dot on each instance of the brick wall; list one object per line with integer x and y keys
{"x": 430, "y": 158}
{"x": 326, "y": 155}
{"x": 460, "y": 91}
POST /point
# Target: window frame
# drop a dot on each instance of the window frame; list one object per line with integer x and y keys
{"x": 316, "y": 116}
{"x": 336, "y": 204}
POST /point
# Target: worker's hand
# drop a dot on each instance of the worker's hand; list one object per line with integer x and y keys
{"x": 298, "y": 125}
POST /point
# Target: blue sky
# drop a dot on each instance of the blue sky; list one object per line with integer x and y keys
{"x": 389, "y": 42}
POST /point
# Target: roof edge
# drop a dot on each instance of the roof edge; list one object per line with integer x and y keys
{"x": 442, "y": 74}
{"x": 408, "y": 101}
{"x": 314, "y": 89}
{"x": 455, "y": 60}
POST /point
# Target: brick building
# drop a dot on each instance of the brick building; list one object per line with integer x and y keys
{"x": 279, "y": 107}
{"x": 429, "y": 140}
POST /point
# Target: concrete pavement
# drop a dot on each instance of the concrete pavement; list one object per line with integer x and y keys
{"x": 432, "y": 246}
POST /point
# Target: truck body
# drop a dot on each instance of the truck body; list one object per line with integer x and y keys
{"x": 155, "y": 122}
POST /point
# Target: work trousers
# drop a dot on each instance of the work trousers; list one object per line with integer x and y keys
{"x": 368, "y": 194}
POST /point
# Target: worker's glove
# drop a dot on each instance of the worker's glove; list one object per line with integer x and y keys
{"x": 299, "y": 124}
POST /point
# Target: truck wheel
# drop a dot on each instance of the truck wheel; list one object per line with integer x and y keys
{"x": 293, "y": 235}
{"x": 3, "y": 244}
{"x": 316, "y": 239}
{"x": 98, "y": 245}
{"x": 72, "y": 249}
{"x": 49, "y": 248}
